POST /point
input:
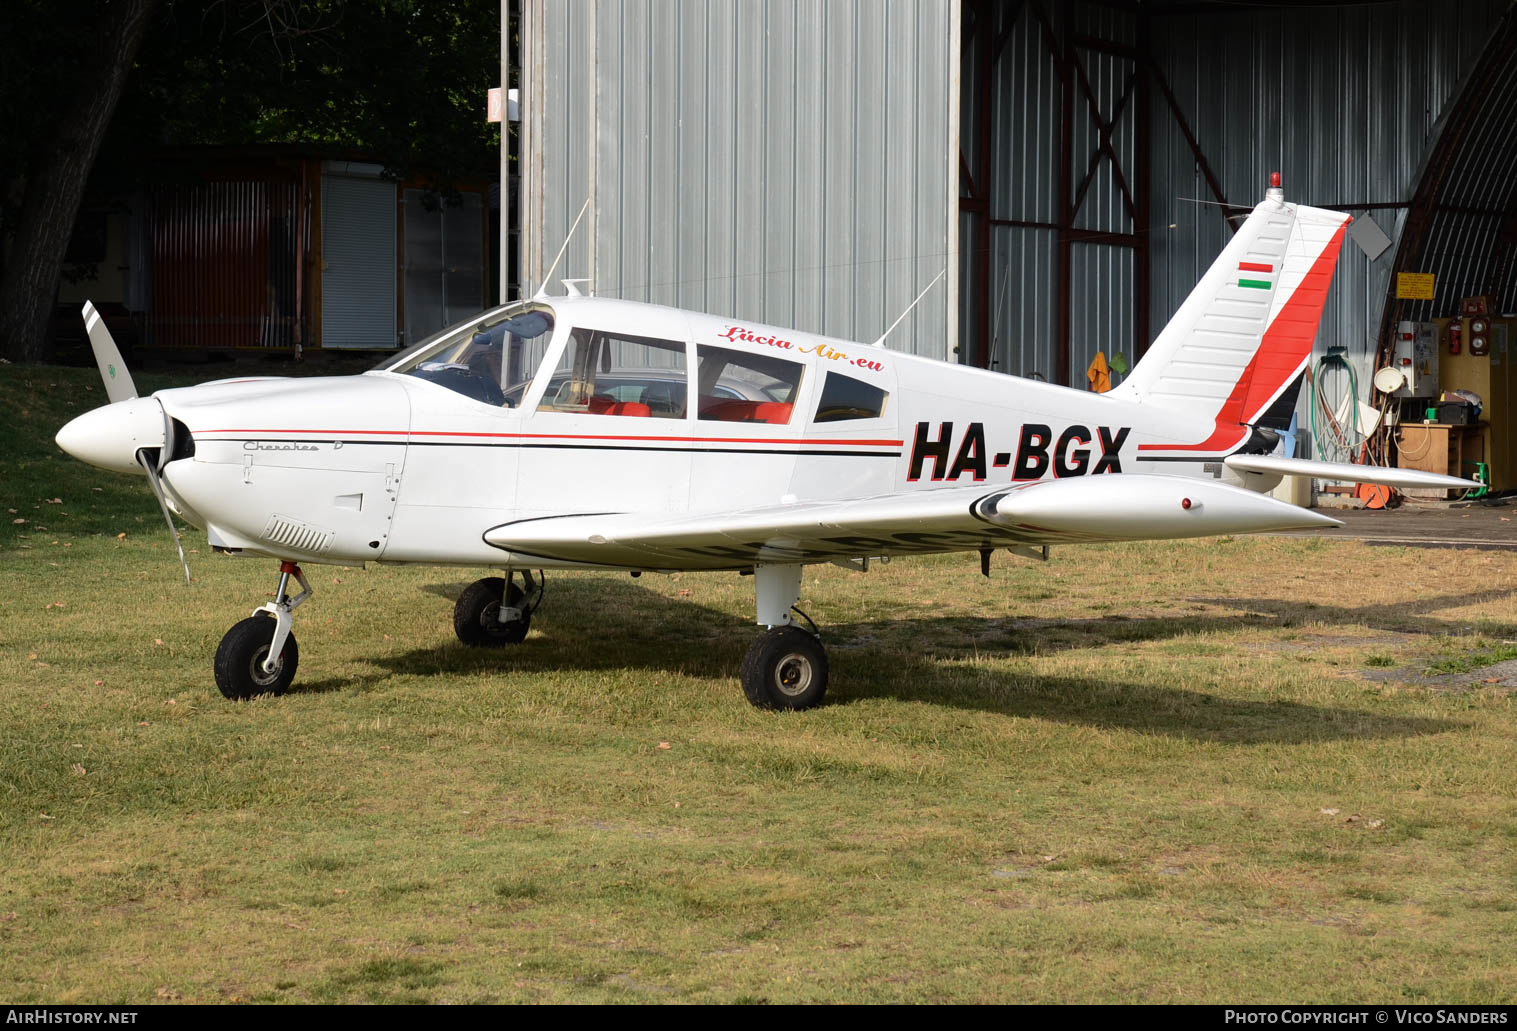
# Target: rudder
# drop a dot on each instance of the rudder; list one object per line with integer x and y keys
{"x": 1245, "y": 333}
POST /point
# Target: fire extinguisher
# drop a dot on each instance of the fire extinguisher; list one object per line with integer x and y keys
{"x": 1456, "y": 336}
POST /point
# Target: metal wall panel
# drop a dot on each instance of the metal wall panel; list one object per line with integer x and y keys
{"x": 225, "y": 261}
{"x": 1025, "y": 136}
{"x": 444, "y": 271}
{"x": 1342, "y": 100}
{"x": 774, "y": 160}
{"x": 358, "y": 259}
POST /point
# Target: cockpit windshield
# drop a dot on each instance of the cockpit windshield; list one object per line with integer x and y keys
{"x": 484, "y": 358}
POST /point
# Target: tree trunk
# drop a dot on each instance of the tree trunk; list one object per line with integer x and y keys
{"x": 56, "y": 177}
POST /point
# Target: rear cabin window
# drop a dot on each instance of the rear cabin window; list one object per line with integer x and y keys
{"x": 735, "y": 386}
{"x": 603, "y": 373}
{"x": 844, "y": 397}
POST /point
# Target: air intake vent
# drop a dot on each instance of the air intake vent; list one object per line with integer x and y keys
{"x": 297, "y": 536}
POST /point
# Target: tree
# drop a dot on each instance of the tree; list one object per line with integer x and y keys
{"x": 401, "y": 80}
{"x": 60, "y": 91}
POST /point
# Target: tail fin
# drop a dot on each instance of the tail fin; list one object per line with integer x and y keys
{"x": 1245, "y": 333}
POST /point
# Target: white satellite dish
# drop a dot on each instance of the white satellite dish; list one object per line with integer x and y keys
{"x": 1389, "y": 380}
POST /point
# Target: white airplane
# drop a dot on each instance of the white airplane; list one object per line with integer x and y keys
{"x": 580, "y": 432}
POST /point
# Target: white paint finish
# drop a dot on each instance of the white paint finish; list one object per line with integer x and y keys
{"x": 1344, "y": 472}
{"x": 446, "y": 479}
{"x": 777, "y": 588}
{"x": 294, "y": 448}
{"x": 109, "y": 436}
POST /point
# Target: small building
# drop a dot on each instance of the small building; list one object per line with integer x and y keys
{"x": 281, "y": 248}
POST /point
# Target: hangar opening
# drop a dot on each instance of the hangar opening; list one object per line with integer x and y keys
{"x": 1071, "y": 168}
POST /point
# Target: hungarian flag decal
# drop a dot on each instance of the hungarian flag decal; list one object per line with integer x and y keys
{"x": 1255, "y": 266}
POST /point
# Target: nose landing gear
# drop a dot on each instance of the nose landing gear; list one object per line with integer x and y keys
{"x": 259, "y": 655}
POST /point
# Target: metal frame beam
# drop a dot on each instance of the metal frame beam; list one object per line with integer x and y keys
{"x": 986, "y": 38}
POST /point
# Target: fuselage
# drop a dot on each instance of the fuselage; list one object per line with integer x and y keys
{"x": 674, "y": 412}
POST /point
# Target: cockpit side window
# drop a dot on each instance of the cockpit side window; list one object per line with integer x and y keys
{"x": 764, "y": 387}
{"x": 490, "y": 361}
{"x": 844, "y": 398}
{"x": 608, "y": 373}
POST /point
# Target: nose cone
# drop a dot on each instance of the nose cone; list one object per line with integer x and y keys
{"x": 111, "y": 436}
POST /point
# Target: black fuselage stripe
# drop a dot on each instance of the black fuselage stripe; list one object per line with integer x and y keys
{"x": 1182, "y": 458}
{"x": 562, "y": 447}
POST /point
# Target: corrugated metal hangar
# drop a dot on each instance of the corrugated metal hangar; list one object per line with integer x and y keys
{"x": 1072, "y": 167}
{"x": 280, "y": 248}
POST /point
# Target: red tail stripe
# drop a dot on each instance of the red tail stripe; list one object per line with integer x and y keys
{"x": 1286, "y": 346}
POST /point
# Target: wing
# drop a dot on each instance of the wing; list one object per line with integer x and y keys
{"x": 1132, "y": 506}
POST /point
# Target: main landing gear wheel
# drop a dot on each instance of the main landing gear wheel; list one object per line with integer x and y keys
{"x": 476, "y": 617}
{"x": 241, "y": 657}
{"x": 786, "y": 668}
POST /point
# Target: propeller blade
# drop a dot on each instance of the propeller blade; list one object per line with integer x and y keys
{"x": 149, "y": 465}
{"x": 118, "y": 382}
{"x": 168, "y": 443}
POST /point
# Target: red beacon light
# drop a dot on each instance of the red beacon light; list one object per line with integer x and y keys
{"x": 1274, "y": 180}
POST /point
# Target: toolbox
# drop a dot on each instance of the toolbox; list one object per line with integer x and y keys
{"x": 1456, "y": 413}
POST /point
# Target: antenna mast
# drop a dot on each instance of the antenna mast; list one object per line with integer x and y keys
{"x": 542, "y": 289}
{"x": 881, "y": 341}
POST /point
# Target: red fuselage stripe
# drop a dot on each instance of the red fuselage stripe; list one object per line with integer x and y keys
{"x": 556, "y": 436}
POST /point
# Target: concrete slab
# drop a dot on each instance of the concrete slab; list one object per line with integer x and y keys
{"x": 1483, "y": 525}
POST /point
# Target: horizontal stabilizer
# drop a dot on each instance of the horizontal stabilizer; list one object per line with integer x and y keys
{"x": 1087, "y": 509}
{"x": 1347, "y": 471}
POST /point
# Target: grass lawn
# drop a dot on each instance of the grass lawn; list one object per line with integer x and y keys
{"x": 1188, "y": 771}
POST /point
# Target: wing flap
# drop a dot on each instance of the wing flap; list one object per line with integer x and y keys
{"x": 1084, "y": 510}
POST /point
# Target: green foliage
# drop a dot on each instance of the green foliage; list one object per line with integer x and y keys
{"x": 1465, "y": 662}
{"x": 402, "y": 81}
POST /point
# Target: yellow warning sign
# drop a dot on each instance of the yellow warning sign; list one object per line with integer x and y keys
{"x": 1414, "y": 286}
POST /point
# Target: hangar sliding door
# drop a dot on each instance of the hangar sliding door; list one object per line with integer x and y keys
{"x": 444, "y": 262}
{"x": 358, "y": 262}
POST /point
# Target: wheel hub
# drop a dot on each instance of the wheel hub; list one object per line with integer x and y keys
{"x": 255, "y": 668}
{"x": 792, "y": 674}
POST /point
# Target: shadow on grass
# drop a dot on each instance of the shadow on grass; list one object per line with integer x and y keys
{"x": 1401, "y": 617}
{"x": 610, "y": 625}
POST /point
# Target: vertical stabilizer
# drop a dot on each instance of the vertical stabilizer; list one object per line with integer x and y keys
{"x": 1245, "y": 333}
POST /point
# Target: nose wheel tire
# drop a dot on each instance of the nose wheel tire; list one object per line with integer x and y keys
{"x": 786, "y": 668}
{"x": 239, "y": 660}
{"x": 476, "y": 617}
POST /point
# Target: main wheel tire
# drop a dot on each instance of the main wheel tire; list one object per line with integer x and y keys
{"x": 786, "y": 668}
{"x": 239, "y": 660}
{"x": 475, "y": 616}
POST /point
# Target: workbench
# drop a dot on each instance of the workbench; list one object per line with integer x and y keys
{"x": 1437, "y": 447}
